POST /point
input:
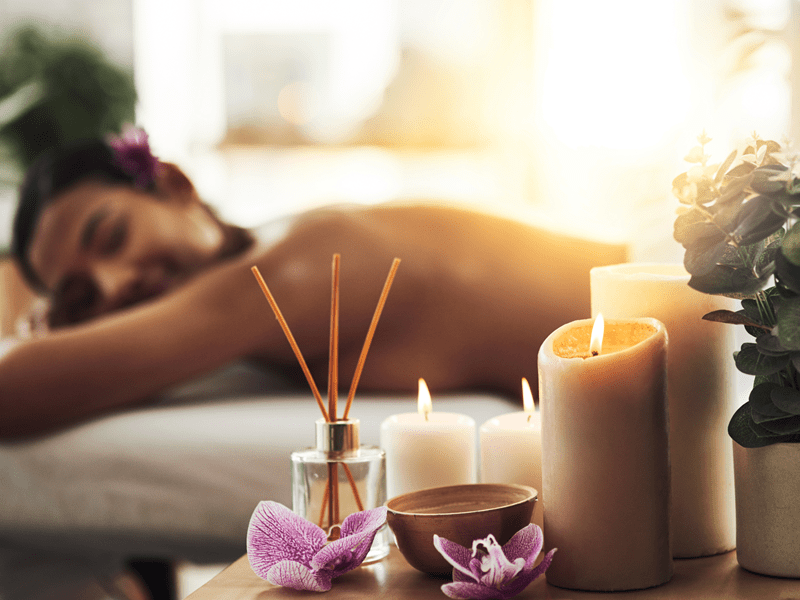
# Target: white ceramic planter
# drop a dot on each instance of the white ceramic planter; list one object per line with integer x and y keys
{"x": 767, "y": 482}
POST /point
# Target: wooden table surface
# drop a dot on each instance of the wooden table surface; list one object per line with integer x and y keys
{"x": 716, "y": 577}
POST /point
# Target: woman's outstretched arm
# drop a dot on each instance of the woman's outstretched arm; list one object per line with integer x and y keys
{"x": 123, "y": 359}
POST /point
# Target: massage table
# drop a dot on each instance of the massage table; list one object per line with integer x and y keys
{"x": 174, "y": 481}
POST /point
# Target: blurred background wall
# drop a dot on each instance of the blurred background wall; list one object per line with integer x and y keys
{"x": 570, "y": 113}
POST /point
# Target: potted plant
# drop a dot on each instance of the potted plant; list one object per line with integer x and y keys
{"x": 55, "y": 89}
{"x": 739, "y": 227}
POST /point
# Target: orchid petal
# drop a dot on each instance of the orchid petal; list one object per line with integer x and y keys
{"x": 526, "y": 543}
{"x": 291, "y": 574}
{"x": 455, "y": 554}
{"x": 542, "y": 566}
{"x": 344, "y": 554}
{"x": 357, "y": 534}
{"x": 476, "y": 568}
{"x": 276, "y": 534}
{"x": 460, "y": 576}
{"x": 470, "y": 590}
{"x": 526, "y": 577}
{"x": 368, "y": 520}
{"x": 497, "y": 568}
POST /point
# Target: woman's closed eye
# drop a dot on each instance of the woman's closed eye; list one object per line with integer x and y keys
{"x": 113, "y": 238}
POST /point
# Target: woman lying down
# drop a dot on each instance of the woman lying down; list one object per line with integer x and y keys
{"x": 147, "y": 287}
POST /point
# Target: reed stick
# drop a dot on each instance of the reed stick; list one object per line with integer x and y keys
{"x": 333, "y": 356}
{"x": 353, "y": 487}
{"x": 333, "y": 496}
{"x": 371, "y": 332}
{"x": 333, "y": 385}
{"x": 324, "y": 505}
{"x": 287, "y": 332}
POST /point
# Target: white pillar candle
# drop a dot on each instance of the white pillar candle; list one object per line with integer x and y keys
{"x": 427, "y": 449}
{"x": 702, "y": 396}
{"x": 511, "y": 449}
{"x": 605, "y": 456}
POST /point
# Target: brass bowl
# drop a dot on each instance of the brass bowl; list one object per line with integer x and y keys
{"x": 460, "y": 513}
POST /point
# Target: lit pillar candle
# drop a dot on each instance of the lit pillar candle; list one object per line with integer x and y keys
{"x": 701, "y": 390}
{"x": 511, "y": 449}
{"x": 605, "y": 455}
{"x": 427, "y": 449}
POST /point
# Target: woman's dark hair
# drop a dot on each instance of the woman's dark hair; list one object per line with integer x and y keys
{"x": 52, "y": 173}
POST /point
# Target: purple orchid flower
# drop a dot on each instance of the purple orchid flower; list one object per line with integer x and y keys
{"x": 133, "y": 155}
{"x": 492, "y": 572}
{"x": 287, "y": 550}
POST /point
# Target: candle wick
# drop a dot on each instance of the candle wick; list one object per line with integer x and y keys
{"x": 426, "y": 415}
{"x": 529, "y": 417}
{"x": 595, "y": 353}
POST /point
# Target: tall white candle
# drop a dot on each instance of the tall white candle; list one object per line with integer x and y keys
{"x": 605, "y": 456}
{"x": 511, "y": 449}
{"x": 427, "y": 449}
{"x": 702, "y": 396}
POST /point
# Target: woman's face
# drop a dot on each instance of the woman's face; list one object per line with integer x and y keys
{"x": 100, "y": 248}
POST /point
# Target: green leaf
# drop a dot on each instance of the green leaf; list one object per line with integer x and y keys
{"x": 759, "y": 429}
{"x": 762, "y": 419}
{"x": 770, "y": 345}
{"x": 783, "y": 426}
{"x": 680, "y": 181}
{"x": 706, "y": 192}
{"x": 759, "y": 379}
{"x": 758, "y": 327}
{"x": 750, "y": 307}
{"x": 787, "y": 399}
{"x": 762, "y": 179}
{"x": 740, "y": 428}
{"x": 691, "y": 228}
{"x": 757, "y": 222}
{"x": 761, "y": 406}
{"x": 749, "y": 360}
{"x": 790, "y": 247}
{"x": 734, "y": 190}
{"x": 787, "y": 275}
{"x": 702, "y": 256}
{"x": 728, "y": 281}
{"x": 789, "y": 323}
{"x": 741, "y": 170}
{"x": 733, "y": 318}
{"x": 725, "y": 166}
{"x": 764, "y": 264}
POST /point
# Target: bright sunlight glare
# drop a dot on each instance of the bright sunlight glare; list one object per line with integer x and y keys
{"x": 612, "y": 72}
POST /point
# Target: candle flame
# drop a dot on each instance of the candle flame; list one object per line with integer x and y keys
{"x": 527, "y": 396}
{"x": 596, "y": 344}
{"x": 424, "y": 404}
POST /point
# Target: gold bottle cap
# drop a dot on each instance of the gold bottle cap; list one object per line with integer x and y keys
{"x": 337, "y": 436}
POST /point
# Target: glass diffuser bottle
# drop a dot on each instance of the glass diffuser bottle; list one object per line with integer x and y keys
{"x": 339, "y": 477}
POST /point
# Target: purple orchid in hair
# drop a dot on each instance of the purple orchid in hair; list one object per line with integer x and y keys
{"x": 287, "y": 550}
{"x": 133, "y": 155}
{"x": 493, "y": 572}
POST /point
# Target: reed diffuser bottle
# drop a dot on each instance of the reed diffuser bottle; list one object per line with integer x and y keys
{"x": 339, "y": 477}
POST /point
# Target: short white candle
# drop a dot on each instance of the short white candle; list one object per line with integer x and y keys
{"x": 427, "y": 449}
{"x": 511, "y": 449}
